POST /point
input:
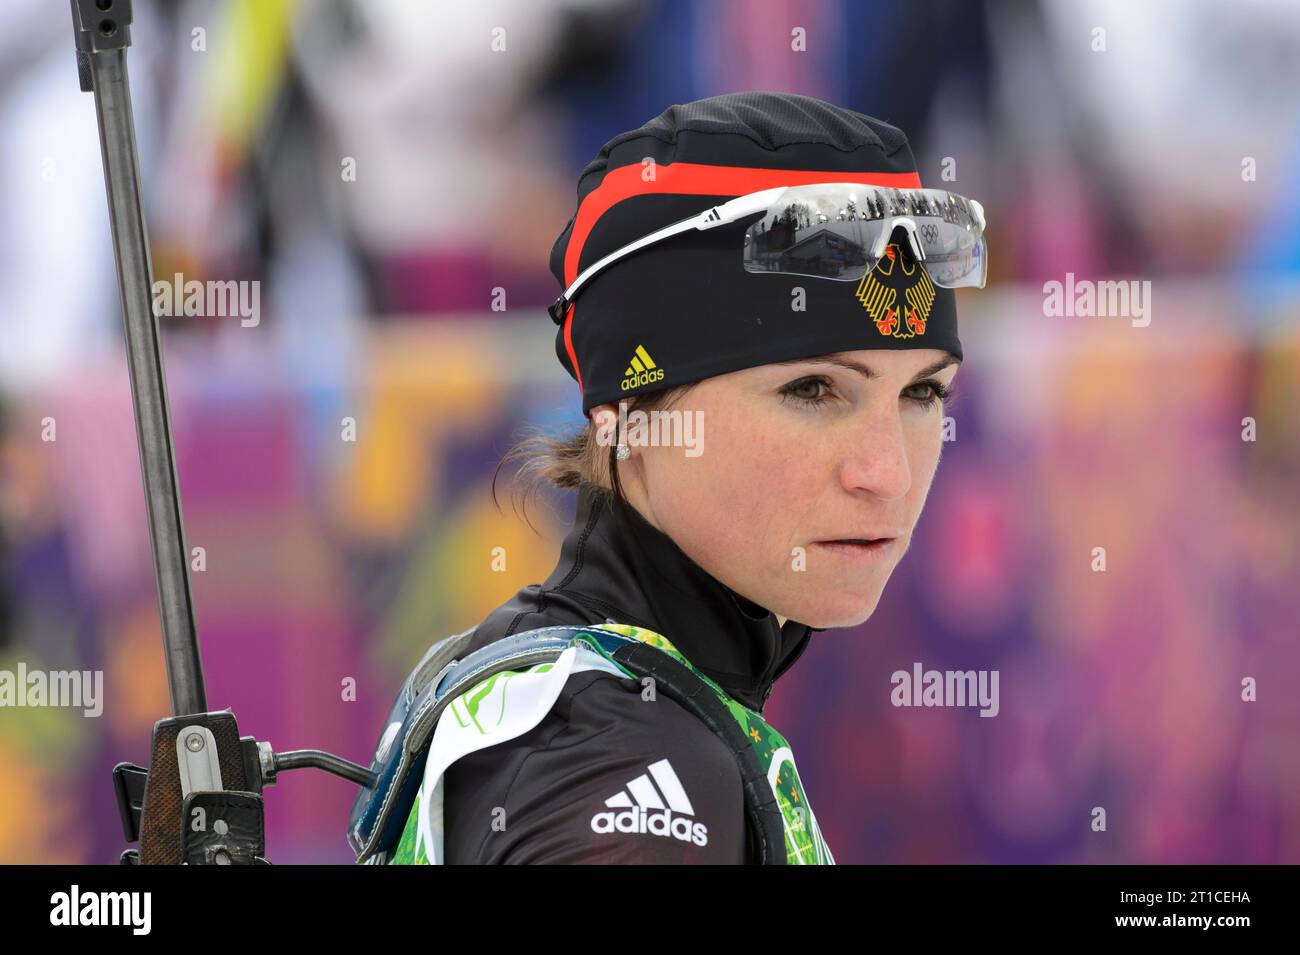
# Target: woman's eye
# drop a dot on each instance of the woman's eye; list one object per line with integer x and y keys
{"x": 807, "y": 391}
{"x": 927, "y": 393}
{"x": 816, "y": 391}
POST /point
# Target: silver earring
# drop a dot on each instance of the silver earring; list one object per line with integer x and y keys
{"x": 623, "y": 452}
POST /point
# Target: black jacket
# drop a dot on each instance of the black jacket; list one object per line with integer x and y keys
{"x": 549, "y": 795}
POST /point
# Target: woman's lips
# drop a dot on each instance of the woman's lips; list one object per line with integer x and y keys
{"x": 858, "y": 550}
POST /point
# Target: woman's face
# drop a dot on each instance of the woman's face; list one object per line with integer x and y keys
{"x": 792, "y": 465}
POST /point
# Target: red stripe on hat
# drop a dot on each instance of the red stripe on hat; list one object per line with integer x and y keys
{"x": 568, "y": 346}
{"x": 693, "y": 179}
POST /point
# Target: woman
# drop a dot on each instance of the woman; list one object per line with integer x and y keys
{"x": 789, "y": 369}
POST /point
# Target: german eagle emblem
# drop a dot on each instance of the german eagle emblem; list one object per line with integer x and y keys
{"x": 879, "y": 293}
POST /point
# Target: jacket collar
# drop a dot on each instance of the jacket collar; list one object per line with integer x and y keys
{"x": 617, "y": 564}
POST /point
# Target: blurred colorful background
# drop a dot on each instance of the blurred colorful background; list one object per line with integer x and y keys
{"x": 1164, "y": 148}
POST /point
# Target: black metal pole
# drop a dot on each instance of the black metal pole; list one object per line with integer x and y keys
{"x": 102, "y": 31}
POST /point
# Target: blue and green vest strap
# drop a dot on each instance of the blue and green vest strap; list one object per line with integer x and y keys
{"x": 804, "y": 844}
{"x": 510, "y": 701}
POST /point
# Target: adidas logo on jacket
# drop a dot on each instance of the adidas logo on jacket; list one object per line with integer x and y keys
{"x": 662, "y": 810}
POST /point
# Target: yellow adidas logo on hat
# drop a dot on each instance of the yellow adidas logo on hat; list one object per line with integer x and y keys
{"x": 642, "y": 370}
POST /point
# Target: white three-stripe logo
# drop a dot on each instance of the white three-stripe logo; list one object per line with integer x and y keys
{"x": 648, "y": 797}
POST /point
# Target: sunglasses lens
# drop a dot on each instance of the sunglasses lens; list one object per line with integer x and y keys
{"x": 838, "y": 230}
{"x": 954, "y": 257}
{"x": 813, "y": 233}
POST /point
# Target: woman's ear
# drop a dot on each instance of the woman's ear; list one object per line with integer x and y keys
{"x": 605, "y": 418}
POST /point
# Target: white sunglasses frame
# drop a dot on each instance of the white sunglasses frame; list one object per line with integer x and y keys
{"x": 728, "y": 212}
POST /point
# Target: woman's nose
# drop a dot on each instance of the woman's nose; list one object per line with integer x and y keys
{"x": 875, "y": 457}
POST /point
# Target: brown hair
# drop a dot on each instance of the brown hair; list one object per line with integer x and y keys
{"x": 576, "y": 459}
